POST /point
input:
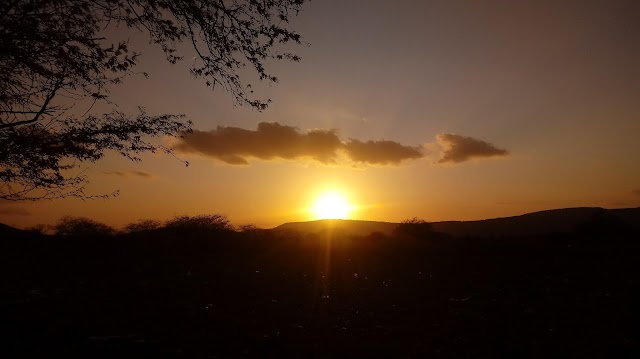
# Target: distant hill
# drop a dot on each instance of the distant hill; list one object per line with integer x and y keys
{"x": 564, "y": 220}
{"x": 629, "y": 215}
{"x": 339, "y": 226}
{"x": 537, "y": 223}
{"x": 10, "y": 232}
{"x": 544, "y": 222}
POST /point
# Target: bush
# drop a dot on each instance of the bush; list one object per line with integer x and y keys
{"x": 81, "y": 226}
{"x": 414, "y": 228}
{"x": 249, "y": 228}
{"x": 203, "y": 222}
{"x": 38, "y": 229}
{"x": 142, "y": 225}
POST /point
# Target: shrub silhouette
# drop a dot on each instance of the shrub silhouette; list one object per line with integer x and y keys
{"x": 414, "y": 228}
{"x": 200, "y": 223}
{"x": 38, "y": 229}
{"x": 142, "y": 225}
{"x": 82, "y": 227}
{"x": 249, "y": 228}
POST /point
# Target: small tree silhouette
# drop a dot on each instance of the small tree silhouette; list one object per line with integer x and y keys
{"x": 200, "y": 223}
{"x": 414, "y": 228}
{"x": 39, "y": 229}
{"x": 249, "y": 228}
{"x": 142, "y": 226}
{"x": 82, "y": 227}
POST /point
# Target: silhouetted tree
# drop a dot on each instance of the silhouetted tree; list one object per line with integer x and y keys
{"x": 142, "y": 225}
{"x": 39, "y": 229}
{"x": 199, "y": 223}
{"x": 58, "y": 53}
{"x": 82, "y": 227}
{"x": 414, "y": 228}
{"x": 249, "y": 228}
{"x": 605, "y": 227}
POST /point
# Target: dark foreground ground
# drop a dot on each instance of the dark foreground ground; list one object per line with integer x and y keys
{"x": 262, "y": 295}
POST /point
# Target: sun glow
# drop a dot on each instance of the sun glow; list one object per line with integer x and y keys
{"x": 331, "y": 205}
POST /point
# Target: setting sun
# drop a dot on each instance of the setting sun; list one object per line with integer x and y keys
{"x": 331, "y": 205}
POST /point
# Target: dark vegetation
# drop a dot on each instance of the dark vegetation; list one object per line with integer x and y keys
{"x": 62, "y": 57}
{"x": 197, "y": 287}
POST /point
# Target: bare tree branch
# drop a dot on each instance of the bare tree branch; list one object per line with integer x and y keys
{"x": 55, "y": 54}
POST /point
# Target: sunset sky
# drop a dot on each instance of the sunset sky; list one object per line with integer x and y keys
{"x": 443, "y": 110}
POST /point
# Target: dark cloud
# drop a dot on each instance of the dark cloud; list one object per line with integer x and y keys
{"x": 381, "y": 152}
{"x": 636, "y": 192}
{"x": 236, "y": 146}
{"x": 458, "y": 148}
{"x": 132, "y": 173}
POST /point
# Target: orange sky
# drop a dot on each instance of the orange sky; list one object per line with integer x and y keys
{"x": 487, "y": 110}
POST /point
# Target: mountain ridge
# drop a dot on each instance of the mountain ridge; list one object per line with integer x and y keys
{"x": 552, "y": 221}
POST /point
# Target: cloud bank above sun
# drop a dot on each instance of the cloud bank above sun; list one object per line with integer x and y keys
{"x": 271, "y": 141}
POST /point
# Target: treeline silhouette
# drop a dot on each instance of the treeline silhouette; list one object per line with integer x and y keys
{"x": 197, "y": 286}
{"x": 86, "y": 227}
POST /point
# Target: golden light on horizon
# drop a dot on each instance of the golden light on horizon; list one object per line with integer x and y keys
{"x": 331, "y": 205}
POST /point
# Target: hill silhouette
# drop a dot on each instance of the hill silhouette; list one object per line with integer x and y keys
{"x": 338, "y": 226}
{"x": 555, "y": 221}
{"x": 8, "y": 230}
{"x": 16, "y": 233}
{"x": 200, "y": 288}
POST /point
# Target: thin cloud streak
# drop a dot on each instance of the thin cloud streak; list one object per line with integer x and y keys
{"x": 457, "y": 148}
{"x": 8, "y": 208}
{"x": 128, "y": 174}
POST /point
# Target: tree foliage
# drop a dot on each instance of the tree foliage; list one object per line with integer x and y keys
{"x": 82, "y": 227}
{"x": 199, "y": 223}
{"x": 59, "y": 53}
{"x": 414, "y": 228}
{"x": 142, "y": 226}
{"x": 37, "y": 160}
